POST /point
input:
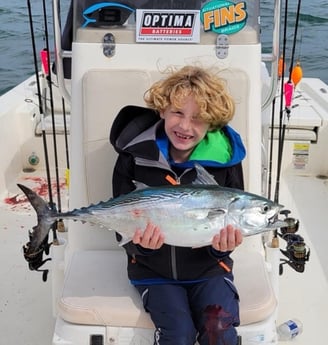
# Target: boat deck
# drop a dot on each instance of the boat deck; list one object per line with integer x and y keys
{"x": 304, "y": 295}
{"x": 24, "y": 297}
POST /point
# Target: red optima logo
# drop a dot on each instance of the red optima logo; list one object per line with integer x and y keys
{"x": 167, "y": 23}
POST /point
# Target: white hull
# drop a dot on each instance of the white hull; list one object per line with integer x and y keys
{"x": 31, "y": 312}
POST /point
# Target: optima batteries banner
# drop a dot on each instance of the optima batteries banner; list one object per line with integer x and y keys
{"x": 167, "y": 26}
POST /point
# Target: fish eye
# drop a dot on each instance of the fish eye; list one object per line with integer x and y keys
{"x": 265, "y": 208}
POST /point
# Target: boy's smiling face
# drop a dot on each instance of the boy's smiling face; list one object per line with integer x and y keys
{"x": 184, "y": 128}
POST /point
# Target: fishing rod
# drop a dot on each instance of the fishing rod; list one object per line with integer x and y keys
{"x": 36, "y": 261}
{"x": 55, "y": 10}
{"x": 281, "y": 70}
{"x": 36, "y": 71}
{"x": 46, "y": 34}
{"x": 297, "y": 252}
{"x": 287, "y": 91}
{"x": 59, "y": 224}
{"x": 273, "y": 109}
{"x": 281, "y": 112}
{"x": 66, "y": 142}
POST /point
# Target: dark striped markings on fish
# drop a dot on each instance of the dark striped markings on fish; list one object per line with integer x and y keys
{"x": 188, "y": 215}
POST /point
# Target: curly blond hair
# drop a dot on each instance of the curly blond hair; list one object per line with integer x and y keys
{"x": 216, "y": 105}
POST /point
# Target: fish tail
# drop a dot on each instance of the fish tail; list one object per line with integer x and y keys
{"x": 46, "y": 218}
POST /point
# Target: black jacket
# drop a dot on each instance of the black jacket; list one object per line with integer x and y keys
{"x": 133, "y": 135}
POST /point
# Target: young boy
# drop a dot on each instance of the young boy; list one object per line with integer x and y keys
{"x": 189, "y": 292}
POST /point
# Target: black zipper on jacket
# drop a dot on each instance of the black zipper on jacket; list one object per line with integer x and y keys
{"x": 174, "y": 263}
{"x": 166, "y": 167}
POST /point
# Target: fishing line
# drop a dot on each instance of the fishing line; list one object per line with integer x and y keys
{"x": 300, "y": 45}
{"x": 295, "y": 39}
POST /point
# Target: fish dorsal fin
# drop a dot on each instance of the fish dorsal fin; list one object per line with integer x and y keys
{"x": 139, "y": 185}
{"x": 203, "y": 177}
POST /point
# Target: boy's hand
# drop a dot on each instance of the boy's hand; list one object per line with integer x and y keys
{"x": 228, "y": 239}
{"x": 150, "y": 238}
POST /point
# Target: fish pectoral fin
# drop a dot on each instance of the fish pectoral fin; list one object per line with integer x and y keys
{"x": 204, "y": 213}
{"x": 197, "y": 213}
{"x": 214, "y": 213}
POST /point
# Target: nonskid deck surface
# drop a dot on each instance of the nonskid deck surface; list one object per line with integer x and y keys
{"x": 15, "y": 200}
{"x": 307, "y": 198}
{"x": 25, "y": 301}
{"x": 304, "y": 295}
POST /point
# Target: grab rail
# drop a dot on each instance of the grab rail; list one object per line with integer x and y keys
{"x": 60, "y": 54}
{"x": 273, "y": 57}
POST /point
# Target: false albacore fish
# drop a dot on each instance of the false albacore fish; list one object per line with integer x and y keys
{"x": 188, "y": 216}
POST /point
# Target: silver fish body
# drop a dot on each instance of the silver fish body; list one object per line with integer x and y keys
{"x": 189, "y": 216}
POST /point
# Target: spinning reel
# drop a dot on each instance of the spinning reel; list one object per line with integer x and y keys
{"x": 35, "y": 260}
{"x": 296, "y": 252}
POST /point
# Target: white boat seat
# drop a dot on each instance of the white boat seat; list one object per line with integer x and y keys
{"x": 97, "y": 291}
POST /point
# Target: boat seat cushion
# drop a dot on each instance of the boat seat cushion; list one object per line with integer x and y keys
{"x": 97, "y": 291}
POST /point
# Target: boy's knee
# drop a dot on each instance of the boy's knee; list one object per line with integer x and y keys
{"x": 227, "y": 337}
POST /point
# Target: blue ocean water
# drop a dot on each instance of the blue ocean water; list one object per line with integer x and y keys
{"x": 16, "y": 60}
